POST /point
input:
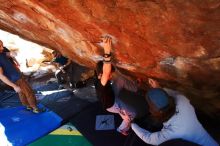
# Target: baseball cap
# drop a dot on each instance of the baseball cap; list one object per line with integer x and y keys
{"x": 158, "y": 97}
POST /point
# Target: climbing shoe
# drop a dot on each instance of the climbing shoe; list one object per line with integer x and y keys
{"x": 29, "y": 108}
{"x": 36, "y": 110}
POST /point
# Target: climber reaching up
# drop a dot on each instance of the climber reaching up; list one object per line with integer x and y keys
{"x": 110, "y": 86}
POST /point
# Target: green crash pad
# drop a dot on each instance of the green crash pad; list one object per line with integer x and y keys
{"x": 66, "y": 135}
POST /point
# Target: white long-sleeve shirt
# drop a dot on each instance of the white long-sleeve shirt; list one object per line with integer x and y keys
{"x": 183, "y": 124}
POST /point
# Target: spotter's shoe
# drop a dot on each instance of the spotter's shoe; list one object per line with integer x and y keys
{"x": 37, "y": 110}
{"x": 29, "y": 108}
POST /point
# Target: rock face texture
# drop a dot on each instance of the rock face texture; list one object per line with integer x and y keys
{"x": 174, "y": 41}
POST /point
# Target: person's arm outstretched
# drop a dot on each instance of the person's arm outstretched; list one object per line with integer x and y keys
{"x": 107, "y": 66}
{"x": 154, "y": 138}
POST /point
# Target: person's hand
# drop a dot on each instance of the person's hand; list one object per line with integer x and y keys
{"x": 107, "y": 44}
{"x": 17, "y": 89}
{"x": 153, "y": 83}
{"x": 125, "y": 116}
{"x": 62, "y": 69}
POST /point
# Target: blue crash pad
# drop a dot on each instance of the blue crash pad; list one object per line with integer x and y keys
{"x": 23, "y": 127}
